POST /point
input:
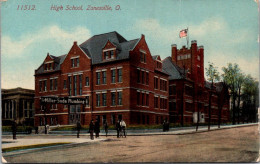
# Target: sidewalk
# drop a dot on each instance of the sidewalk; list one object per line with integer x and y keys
{"x": 8, "y": 142}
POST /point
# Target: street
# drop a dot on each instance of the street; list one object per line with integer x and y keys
{"x": 227, "y": 145}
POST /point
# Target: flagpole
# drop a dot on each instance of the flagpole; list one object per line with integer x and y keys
{"x": 187, "y": 38}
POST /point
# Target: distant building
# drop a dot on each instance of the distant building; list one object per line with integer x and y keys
{"x": 118, "y": 78}
{"x": 18, "y": 105}
{"x": 189, "y": 92}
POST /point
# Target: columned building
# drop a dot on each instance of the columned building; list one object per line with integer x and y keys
{"x": 18, "y": 105}
{"x": 117, "y": 78}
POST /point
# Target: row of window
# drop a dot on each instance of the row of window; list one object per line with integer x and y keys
{"x": 143, "y": 99}
{"x": 116, "y": 99}
{"x": 180, "y": 57}
{"x": 163, "y": 103}
{"x": 109, "y": 55}
{"x": 48, "y": 66}
{"x": 142, "y": 77}
{"x": 163, "y": 84}
{"x": 101, "y": 77}
{"x": 74, "y": 62}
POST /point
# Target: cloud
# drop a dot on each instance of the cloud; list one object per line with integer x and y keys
{"x": 15, "y": 47}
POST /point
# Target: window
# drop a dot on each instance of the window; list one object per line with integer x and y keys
{"x": 142, "y": 99}
{"x": 80, "y": 84}
{"x": 112, "y": 54}
{"x": 119, "y": 74}
{"x": 104, "y": 99}
{"x": 87, "y": 101}
{"x": 70, "y": 85}
{"x": 40, "y": 85}
{"x": 72, "y": 63}
{"x": 113, "y": 98}
{"x": 77, "y": 60}
{"x": 106, "y": 55}
{"x": 113, "y": 76}
{"x": 138, "y": 98}
{"x": 156, "y": 102}
{"x": 142, "y": 77}
{"x": 119, "y": 98}
{"x": 87, "y": 81}
{"x": 156, "y": 83}
{"x": 75, "y": 85}
{"x": 104, "y": 76}
{"x": 98, "y": 78}
{"x": 138, "y": 76}
{"x": 64, "y": 84}
{"x": 45, "y": 85}
{"x": 147, "y": 99}
{"x": 142, "y": 57}
{"x": 147, "y": 78}
{"x": 97, "y": 99}
{"x": 188, "y": 90}
{"x": 172, "y": 90}
{"x": 55, "y": 84}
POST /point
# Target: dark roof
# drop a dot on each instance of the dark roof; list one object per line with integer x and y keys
{"x": 172, "y": 69}
{"x": 155, "y": 57}
{"x": 93, "y": 49}
{"x": 93, "y": 46}
{"x": 58, "y": 60}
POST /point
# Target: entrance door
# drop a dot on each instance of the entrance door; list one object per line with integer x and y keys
{"x": 74, "y": 114}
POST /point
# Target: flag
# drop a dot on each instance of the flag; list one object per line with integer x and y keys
{"x": 183, "y": 33}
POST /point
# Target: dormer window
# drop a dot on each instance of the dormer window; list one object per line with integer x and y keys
{"x": 48, "y": 66}
{"x": 158, "y": 65}
{"x": 109, "y": 54}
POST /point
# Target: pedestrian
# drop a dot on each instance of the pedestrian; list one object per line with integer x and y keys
{"x": 14, "y": 129}
{"x": 118, "y": 128}
{"x": 78, "y": 128}
{"x": 36, "y": 129}
{"x": 97, "y": 128}
{"x": 164, "y": 125}
{"x": 106, "y": 127}
{"x": 123, "y": 126}
{"x": 91, "y": 129}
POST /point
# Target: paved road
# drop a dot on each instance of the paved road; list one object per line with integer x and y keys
{"x": 227, "y": 145}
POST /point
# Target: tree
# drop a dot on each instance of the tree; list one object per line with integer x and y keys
{"x": 231, "y": 77}
{"x": 250, "y": 99}
{"x": 213, "y": 76}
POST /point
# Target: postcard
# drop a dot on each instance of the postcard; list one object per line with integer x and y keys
{"x": 87, "y": 81}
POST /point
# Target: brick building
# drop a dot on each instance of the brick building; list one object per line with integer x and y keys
{"x": 18, "y": 105}
{"x": 189, "y": 93}
{"x": 117, "y": 78}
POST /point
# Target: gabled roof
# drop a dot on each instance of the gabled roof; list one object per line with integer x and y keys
{"x": 155, "y": 57}
{"x": 93, "y": 46}
{"x": 58, "y": 60}
{"x": 172, "y": 69}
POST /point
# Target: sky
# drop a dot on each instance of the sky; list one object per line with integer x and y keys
{"x": 228, "y": 30}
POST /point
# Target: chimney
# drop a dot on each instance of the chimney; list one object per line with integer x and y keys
{"x": 174, "y": 53}
{"x": 193, "y": 46}
{"x": 75, "y": 42}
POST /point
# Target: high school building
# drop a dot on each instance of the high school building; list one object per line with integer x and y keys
{"x": 116, "y": 78}
{"x": 190, "y": 96}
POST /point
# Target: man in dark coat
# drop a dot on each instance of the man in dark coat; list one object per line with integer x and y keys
{"x": 78, "y": 128}
{"x": 118, "y": 128}
{"x": 91, "y": 129}
{"x": 14, "y": 129}
{"x": 97, "y": 128}
{"x": 106, "y": 127}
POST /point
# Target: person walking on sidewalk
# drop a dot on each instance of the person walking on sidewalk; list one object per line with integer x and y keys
{"x": 97, "y": 128}
{"x": 123, "y": 127}
{"x": 78, "y": 128}
{"x": 105, "y": 127}
{"x": 14, "y": 129}
{"x": 118, "y": 128}
{"x": 91, "y": 130}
